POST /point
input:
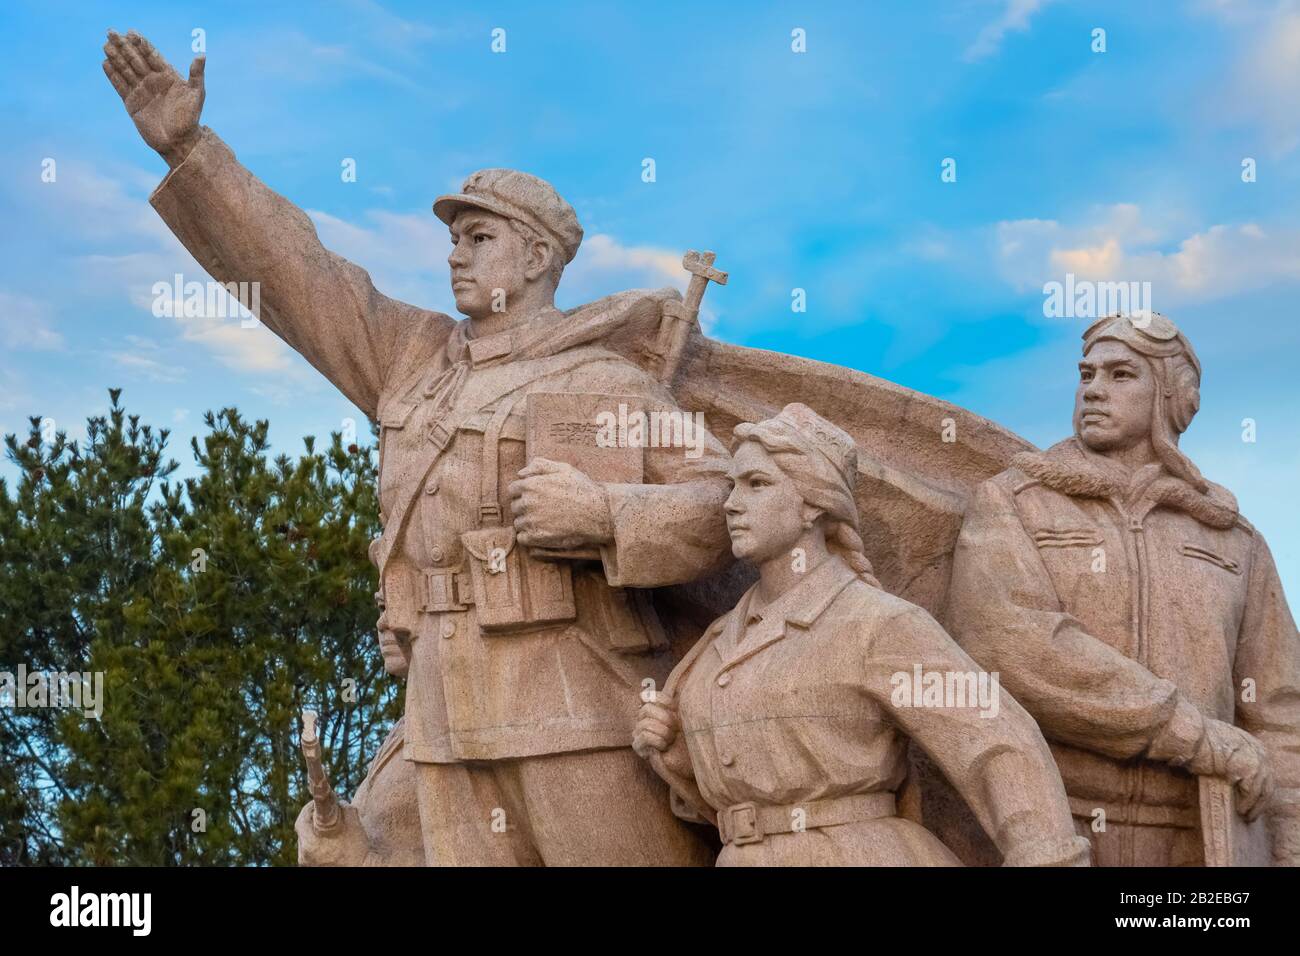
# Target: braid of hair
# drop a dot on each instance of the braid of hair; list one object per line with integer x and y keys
{"x": 845, "y": 541}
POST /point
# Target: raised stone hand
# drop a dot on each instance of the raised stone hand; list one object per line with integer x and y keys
{"x": 164, "y": 107}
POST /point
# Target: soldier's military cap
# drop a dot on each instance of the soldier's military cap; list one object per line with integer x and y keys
{"x": 520, "y": 196}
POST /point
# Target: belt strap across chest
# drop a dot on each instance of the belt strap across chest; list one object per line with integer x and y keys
{"x": 489, "y": 510}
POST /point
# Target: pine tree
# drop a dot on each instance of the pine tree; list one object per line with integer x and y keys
{"x": 216, "y": 608}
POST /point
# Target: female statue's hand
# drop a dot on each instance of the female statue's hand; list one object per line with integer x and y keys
{"x": 657, "y": 725}
{"x": 658, "y": 731}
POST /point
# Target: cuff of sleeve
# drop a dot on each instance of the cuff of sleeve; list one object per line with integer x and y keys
{"x": 204, "y": 143}
{"x": 620, "y": 567}
{"x": 1070, "y": 851}
{"x": 1180, "y": 738}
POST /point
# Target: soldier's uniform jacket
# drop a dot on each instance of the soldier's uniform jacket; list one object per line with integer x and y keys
{"x": 1102, "y": 603}
{"x": 789, "y": 712}
{"x": 570, "y": 642}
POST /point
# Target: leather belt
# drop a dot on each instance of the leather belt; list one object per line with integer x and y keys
{"x": 749, "y": 823}
{"x": 1135, "y": 814}
{"x": 446, "y": 589}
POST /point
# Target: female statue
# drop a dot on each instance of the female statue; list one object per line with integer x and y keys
{"x": 787, "y": 723}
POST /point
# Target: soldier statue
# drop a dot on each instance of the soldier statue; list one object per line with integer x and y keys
{"x": 510, "y": 581}
{"x": 1139, "y": 617}
{"x": 535, "y": 580}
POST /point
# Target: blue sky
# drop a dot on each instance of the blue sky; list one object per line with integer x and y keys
{"x": 817, "y": 170}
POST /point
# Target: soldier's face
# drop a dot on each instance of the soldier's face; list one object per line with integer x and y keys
{"x": 1112, "y": 407}
{"x": 764, "y": 509}
{"x": 395, "y": 660}
{"x": 488, "y": 261}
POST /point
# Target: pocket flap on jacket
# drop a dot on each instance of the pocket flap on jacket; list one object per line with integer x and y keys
{"x": 483, "y": 541}
{"x": 1067, "y": 538}
{"x": 1205, "y": 554}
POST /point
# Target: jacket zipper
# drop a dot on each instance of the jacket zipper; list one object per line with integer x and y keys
{"x": 1143, "y": 598}
{"x": 1136, "y": 555}
{"x": 1140, "y": 540}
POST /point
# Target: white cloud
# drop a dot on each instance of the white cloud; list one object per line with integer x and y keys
{"x": 1265, "y": 85}
{"x": 603, "y": 254}
{"x": 254, "y": 349}
{"x": 604, "y": 265}
{"x": 929, "y": 244}
{"x": 280, "y": 395}
{"x": 16, "y": 398}
{"x": 292, "y": 56}
{"x": 394, "y": 33}
{"x": 405, "y": 253}
{"x": 146, "y": 357}
{"x": 1228, "y": 11}
{"x": 25, "y": 324}
{"x": 110, "y": 212}
{"x": 1015, "y": 16}
{"x": 1116, "y": 245}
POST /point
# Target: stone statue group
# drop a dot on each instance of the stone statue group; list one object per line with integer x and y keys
{"x": 1116, "y": 680}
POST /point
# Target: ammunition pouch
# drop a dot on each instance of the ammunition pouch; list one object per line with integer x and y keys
{"x": 513, "y": 589}
{"x": 508, "y": 588}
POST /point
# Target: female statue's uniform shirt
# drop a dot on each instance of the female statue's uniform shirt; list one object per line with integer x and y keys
{"x": 792, "y": 704}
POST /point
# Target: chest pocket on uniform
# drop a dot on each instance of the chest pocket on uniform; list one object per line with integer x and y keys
{"x": 1075, "y": 560}
{"x": 1067, "y": 538}
{"x": 1205, "y": 554}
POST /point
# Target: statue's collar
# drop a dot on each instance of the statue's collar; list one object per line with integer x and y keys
{"x": 463, "y": 346}
{"x": 750, "y": 629}
{"x": 1073, "y": 470}
{"x": 804, "y": 602}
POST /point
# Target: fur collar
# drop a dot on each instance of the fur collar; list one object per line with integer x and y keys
{"x": 1066, "y": 467}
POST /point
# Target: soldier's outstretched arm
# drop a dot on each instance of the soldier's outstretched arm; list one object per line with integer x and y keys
{"x": 241, "y": 231}
{"x": 987, "y": 745}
